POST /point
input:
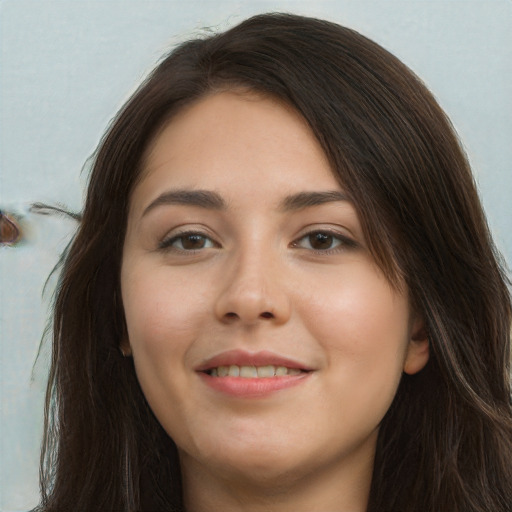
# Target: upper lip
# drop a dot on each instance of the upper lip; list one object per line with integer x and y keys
{"x": 244, "y": 358}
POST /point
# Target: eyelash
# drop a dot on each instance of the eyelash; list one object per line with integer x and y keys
{"x": 167, "y": 243}
{"x": 343, "y": 242}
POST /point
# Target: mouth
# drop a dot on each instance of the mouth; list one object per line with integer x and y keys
{"x": 252, "y": 365}
{"x": 243, "y": 374}
{"x": 253, "y": 372}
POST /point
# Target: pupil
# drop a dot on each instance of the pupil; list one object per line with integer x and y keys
{"x": 193, "y": 242}
{"x": 320, "y": 241}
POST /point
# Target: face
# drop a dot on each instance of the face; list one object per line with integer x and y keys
{"x": 265, "y": 338}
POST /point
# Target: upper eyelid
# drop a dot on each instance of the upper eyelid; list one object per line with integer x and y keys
{"x": 188, "y": 230}
{"x": 167, "y": 241}
{"x": 345, "y": 239}
{"x": 337, "y": 231}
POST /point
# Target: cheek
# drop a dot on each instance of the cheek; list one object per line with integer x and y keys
{"x": 163, "y": 316}
{"x": 161, "y": 312}
{"x": 363, "y": 327}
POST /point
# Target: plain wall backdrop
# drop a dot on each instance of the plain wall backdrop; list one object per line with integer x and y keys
{"x": 66, "y": 66}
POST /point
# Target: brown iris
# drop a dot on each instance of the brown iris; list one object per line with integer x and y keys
{"x": 320, "y": 241}
{"x": 191, "y": 242}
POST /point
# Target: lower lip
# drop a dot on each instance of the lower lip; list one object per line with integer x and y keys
{"x": 252, "y": 387}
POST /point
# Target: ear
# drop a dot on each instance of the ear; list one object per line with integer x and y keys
{"x": 125, "y": 347}
{"x": 124, "y": 344}
{"x": 418, "y": 348}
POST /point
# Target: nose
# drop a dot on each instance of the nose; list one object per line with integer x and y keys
{"x": 254, "y": 291}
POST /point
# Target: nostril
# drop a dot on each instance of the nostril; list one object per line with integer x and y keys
{"x": 231, "y": 315}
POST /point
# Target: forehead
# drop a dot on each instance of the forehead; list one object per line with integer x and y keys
{"x": 237, "y": 144}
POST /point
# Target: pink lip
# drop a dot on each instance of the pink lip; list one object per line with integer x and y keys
{"x": 242, "y": 387}
{"x": 244, "y": 358}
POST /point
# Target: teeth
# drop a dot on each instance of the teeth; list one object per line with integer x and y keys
{"x": 281, "y": 370}
{"x": 249, "y": 372}
{"x": 223, "y": 371}
{"x": 265, "y": 371}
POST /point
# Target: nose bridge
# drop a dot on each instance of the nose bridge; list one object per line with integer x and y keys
{"x": 253, "y": 289}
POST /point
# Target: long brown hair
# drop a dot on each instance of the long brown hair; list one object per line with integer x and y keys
{"x": 445, "y": 445}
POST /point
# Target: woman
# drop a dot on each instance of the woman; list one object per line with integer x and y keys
{"x": 283, "y": 294}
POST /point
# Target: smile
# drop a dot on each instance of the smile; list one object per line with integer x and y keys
{"x": 252, "y": 372}
{"x": 242, "y": 374}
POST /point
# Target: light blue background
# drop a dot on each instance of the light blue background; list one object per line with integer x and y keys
{"x": 67, "y": 66}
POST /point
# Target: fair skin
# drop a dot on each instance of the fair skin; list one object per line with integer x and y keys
{"x": 260, "y": 271}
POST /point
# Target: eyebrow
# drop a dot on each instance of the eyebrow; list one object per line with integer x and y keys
{"x": 213, "y": 201}
{"x": 306, "y": 199}
{"x": 202, "y": 198}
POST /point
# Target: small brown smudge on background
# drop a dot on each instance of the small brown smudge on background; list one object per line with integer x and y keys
{"x": 9, "y": 231}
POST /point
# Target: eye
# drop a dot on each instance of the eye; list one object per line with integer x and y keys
{"x": 190, "y": 241}
{"x": 323, "y": 241}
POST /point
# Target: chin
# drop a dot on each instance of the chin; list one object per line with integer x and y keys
{"x": 263, "y": 463}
